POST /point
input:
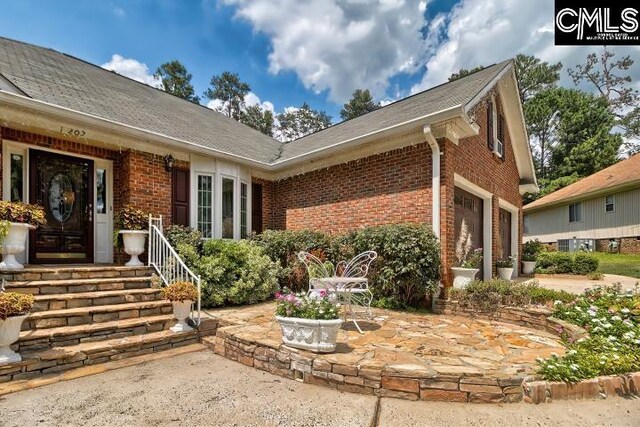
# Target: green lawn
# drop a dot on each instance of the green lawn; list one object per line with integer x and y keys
{"x": 625, "y": 265}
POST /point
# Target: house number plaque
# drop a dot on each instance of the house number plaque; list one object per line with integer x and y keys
{"x": 72, "y": 131}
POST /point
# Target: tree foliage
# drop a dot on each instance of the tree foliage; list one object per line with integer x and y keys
{"x": 257, "y": 118}
{"x": 360, "y": 103}
{"x": 535, "y": 75}
{"x": 176, "y": 80}
{"x": 228, "y": 88}
{"x": 610, "y": 78}
{"x": 464, "y": 72}
{"x": 297, "y": 122}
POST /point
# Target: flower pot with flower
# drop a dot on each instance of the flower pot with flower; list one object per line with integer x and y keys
{"x": 505, "y": 268}
{"x": 530, "y": 251}
{"x": 182, "y": 295}
{"x": 309, "y": 322}
{"x": 132, "y": 224}
{"x": 16, "y": 219}
{"x": 14, "y": 308}
{"x": 468, "y": 259}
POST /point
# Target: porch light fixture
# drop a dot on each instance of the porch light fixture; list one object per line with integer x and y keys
{"x": 169, "y": 161}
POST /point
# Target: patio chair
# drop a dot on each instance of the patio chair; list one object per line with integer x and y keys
{"x": 317, "y": 269}
{"x": 358, "y": 268}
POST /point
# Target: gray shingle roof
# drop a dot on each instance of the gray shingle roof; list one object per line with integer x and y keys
{"x": 49, "y": 76}
{"x": 448, "y": 95}
{"x": 59, "y": 79}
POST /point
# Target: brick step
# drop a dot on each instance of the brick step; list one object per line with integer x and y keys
{"x": 86, "y": 299}
{"x": 38, "y": 339}
{"x": 95, "y": 314}
{"x": 73, "y": 272}
{"x": 68, "y": 286}
{"x": 90, "y": 353}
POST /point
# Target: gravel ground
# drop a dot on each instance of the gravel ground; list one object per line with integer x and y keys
{"x": 201, "y": 389}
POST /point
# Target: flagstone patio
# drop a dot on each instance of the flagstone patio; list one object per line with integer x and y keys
{"x": 427, "y": 356}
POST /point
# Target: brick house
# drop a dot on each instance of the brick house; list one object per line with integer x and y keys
{"x": 83, "y": 141}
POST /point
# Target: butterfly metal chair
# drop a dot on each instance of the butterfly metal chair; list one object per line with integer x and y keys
{"x": 317, "y": 269}
{"x": 357, "y": 269}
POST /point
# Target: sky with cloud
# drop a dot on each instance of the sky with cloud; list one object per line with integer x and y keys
{"x": 291, "y": 51}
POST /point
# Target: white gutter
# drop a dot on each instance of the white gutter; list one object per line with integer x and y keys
{"x": 435, "y": 179}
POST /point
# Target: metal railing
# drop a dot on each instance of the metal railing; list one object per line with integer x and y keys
{"x": 168, "y": 264}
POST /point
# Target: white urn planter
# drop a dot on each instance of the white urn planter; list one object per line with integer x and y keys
{"x": 13, "y": 244}
{"x": 181, "y": 310}
{"x": 134, "y": 245}
{"x": 463, "y": 276}
{"x": 505, "y": 273}
{"x": 528, "y": 267}
{"x": 319, "y": 336}
{"x": 9, "y": 333}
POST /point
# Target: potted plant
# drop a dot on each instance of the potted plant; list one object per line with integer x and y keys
{"x": 530, "y": 251}
{"x": 182, "y": 295}
{"x": 308, "y": 323}
{"x": 505, "y": 268}
{"x": 16, "y": 219}
{"x": 468, "y": 260}
{"x": 132, "y": 224}
{"x": 14, "y": 308}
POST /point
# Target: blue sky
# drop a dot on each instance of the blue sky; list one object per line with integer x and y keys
{"x": 291, "y": 51}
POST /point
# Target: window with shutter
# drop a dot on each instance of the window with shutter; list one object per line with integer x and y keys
{"x": 490, "y": 126}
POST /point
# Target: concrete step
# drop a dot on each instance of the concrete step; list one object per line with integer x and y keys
{"x": 67, "y": 286}
{"x": 38, "y": 339}
{"x": 94, "y": 314}
{"x": 60, "y": 359}
{"x": 73, "y": 272}
{"x": 46, "y": 302}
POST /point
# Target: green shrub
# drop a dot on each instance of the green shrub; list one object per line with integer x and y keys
{"x": 584, "y": 264}
{"x": 555, "y": 263}
{"x": 407, "y": 269}
{"x": 489, "y": 295}
{"x": 284, "y": 245}
{"x": 179, "y": 234}
{"x": 532, "y": 248}
{"x": 232, "y": 272}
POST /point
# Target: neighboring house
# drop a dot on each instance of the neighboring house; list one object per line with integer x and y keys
{"x": 83, "y": 141}
{"x": 600, "y": 212}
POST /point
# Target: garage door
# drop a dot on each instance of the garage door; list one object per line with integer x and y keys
{"x": 469, "y": 208}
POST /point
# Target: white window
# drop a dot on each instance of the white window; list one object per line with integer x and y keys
{"x": 205, "y": 205}
{"x": 526, "y": 220}
{"x": 575, "y": 212}
{"x": 228, "y": 223}
{"x": 609, "y": 204}
{"x": 243, "y": 210}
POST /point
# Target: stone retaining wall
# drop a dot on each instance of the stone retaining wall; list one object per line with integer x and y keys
{"x": 366, "y": 377}
{"x": 531, "y": 317}
{"x": 601, "y": 387}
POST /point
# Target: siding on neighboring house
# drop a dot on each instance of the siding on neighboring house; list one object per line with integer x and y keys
{"x": 551, "y": 224}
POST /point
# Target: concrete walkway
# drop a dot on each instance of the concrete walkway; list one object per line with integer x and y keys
{"x": 577, "y": 285}
{"x": 202, "y": 389}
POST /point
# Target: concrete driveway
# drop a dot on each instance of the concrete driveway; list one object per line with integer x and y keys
{"x": 577, "y": 285}
{"x": 203, "y": 389}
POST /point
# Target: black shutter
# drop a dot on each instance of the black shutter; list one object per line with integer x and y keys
{"x": 490, "y": 126}
{"x": 501, "y": 134}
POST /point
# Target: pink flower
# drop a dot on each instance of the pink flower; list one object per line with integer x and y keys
{"x": 322, "y": 293}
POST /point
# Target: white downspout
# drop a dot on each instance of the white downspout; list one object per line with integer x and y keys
{"x": 435, "y": 179}
{"x": 435, "y": 194}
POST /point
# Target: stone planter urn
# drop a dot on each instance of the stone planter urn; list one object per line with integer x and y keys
{"x": 528, "y": 267}
{"x": 463, "y": 276}
{"x": 9, "y": 333}
{"x": 319, "y": 336}
{"x": 505, "y": 273}
{"x": 14, "y": 244}
{"x": 181, "y": 310}
{"x": 134, "y": 245}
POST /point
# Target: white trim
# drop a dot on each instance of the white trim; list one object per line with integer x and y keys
{"x": 487, "y": 220}
{"x": 11, "y": 146}
{"x": 515, "y": 227}
{"x": 107, "y": 165}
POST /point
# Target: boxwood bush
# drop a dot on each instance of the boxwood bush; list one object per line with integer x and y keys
{"x": 565, "y": 263}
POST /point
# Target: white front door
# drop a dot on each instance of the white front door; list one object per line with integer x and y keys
{"x": 103, "y": 211}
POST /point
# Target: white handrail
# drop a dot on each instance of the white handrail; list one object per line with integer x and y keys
{"x": 168, "y": 264}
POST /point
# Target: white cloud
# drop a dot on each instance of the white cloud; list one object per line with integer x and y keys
{"x": 250, "y": 99}
{"x": 340, "y": 45}
{"x": 483, "y": 32}
{"x": 133, "y": 69}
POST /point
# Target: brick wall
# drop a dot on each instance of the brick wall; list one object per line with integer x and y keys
{"x": 630, "y": 245}
{"x": 387, "y": 188}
